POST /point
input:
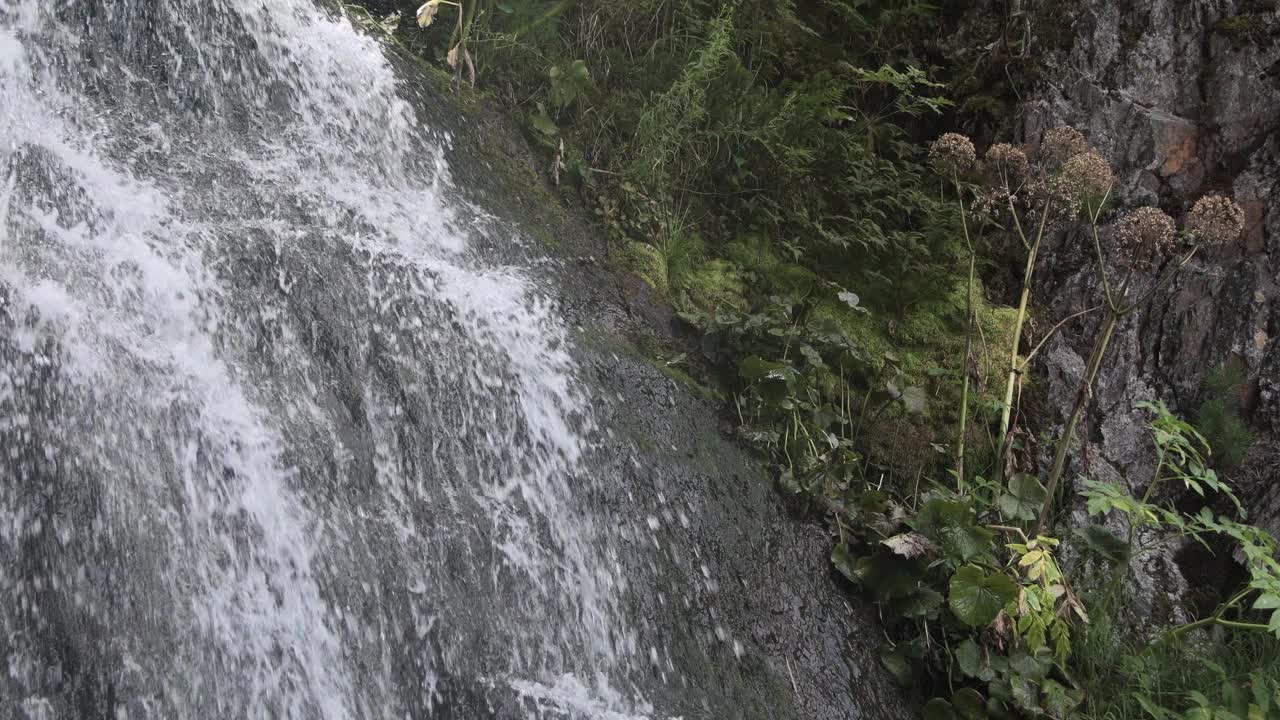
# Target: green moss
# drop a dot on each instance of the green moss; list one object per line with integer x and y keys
{"x": 928, "y": 345}
{"x": 646, "y": 262}
{"x": 714, "y": 284}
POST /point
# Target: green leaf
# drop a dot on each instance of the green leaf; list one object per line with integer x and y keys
{"x": 754, "y": 368}
{"x": 898, "y": 661}
{"x": 543, "y": 123}
{"x": 1030, "y": 666}
{"x": 1060, "y": 700}
{"x": 843, "y": 561}
{"x": 1026, "y": 695}
{"x": 976, "y": 597}
{"x": 889, "y": 576}
{"x": 969, "y": 704}
{"x": 969, "y": 658}
{"x": 918, "y": 604}
{"x": 1105, "y": 543}
{"x": 954, "y": 525}
{"x": 938, "y": 709}
{"x": 1023, "y": 499}
{"x": 1151, "y": 708}
{"x": 1267, "y": 601}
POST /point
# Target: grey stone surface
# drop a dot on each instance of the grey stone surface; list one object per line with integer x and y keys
{"x": 1183, "y": 97}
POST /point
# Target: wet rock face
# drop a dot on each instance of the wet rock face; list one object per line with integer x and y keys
{"x": 1183, "y": 97}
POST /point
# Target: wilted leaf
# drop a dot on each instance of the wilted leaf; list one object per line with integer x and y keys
{"x": 976, "y": 596}
{"x": 909, "y": 544}
{"x": 427, "y": 12}
{"x": 851, "y": 299}
{"x": 913, "y": 399}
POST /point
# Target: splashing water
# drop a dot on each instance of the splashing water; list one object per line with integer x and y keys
{"x": 278, "y": 442}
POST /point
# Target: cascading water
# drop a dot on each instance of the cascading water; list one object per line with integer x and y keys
{"x": 289, "y": 428}
{"x": 280, "y": 439}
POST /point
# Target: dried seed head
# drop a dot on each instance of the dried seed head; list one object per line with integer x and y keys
{"x": 1053, "y": 200}
{"x": 1063, "y": 143}
{"x": 1086, "y": 177}
{"x": 1004, "y": 163}
{"x": 1143, "y": 237}
{"x": 952, "y": 154}
{"x": 1215, "y": 219}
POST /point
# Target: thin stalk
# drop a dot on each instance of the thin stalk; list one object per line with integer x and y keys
{"x": 1006, "y": 411}
{"x": 1155, "y": 480}
{"x": 1082, "y": 399}
{"x": 968, "y": 345}
{"x": 964, "y": 393}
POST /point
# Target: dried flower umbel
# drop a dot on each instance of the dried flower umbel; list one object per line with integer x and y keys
{"x": 1063, "y": 143}
{"x": 1005, "y": 165}
{"x": 1215, "y": 219}
{"x": 1087, "y": 177}
{"x": 1143, "y": 238}
{"x": 953, "y": 154}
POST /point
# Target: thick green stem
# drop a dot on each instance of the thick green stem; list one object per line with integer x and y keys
{"x": 1082, "y": 400}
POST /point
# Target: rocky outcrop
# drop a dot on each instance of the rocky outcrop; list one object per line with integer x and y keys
{"x": 1183, "y": 97}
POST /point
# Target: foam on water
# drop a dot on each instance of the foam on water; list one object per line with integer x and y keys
{"x": 281, "y": 443}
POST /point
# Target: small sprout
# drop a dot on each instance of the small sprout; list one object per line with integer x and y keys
{"x": 1144, "y": 236}
{"x": 1063, "y": 143}
{"x": 953, "y": 154}
{"x": 1215, "y": 219}
{"x": 1086, "y": 178}
{"x": 1005, "y": 164}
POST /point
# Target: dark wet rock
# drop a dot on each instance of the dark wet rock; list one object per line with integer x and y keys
{"x": 749, "y": 613}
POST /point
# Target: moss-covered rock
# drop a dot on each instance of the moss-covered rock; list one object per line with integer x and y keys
{"x": 646, "y": 262}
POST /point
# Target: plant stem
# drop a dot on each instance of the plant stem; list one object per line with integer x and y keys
{"x": 1082, "y": 399}
{"x": 1006, "y": 412}
{"x": 964, "y": 393}
{"x": 968, "y": 347}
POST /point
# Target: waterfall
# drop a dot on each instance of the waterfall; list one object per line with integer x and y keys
{"x": 287, "y": 428}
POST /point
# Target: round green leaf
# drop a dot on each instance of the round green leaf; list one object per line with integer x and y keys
{"x": 976, "y": 596}
{"x": 938, "y": 709}
{"x": 969, "y": 704}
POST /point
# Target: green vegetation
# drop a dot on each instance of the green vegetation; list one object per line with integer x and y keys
{"x": 760, "y": 165}
{"x": 1219, "y": 417}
